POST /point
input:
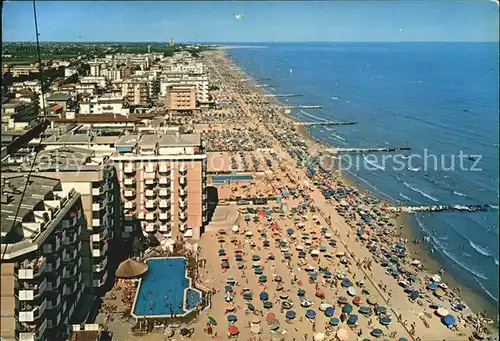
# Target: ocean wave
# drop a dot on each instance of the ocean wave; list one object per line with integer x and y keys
{"x": 495, "y": 207}
{"x": 329, "y": 129}
{"x": 480, "y": 249}
{"x": 404, "y": 197}
{"x": 475, "y": 273}
{"x": 428, "y": 196}
{"x": 312, "y": 116}
{"x": 486, "y": 291}
{"x": 496, "y": 262}
{"x": 373, "y": 163}
{"x": 459, "y": 194}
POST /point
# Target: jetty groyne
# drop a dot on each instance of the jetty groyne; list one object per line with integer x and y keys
{"x": 365, "y": 150}
{"x": 325, "y": 123}
{"x": 442, "y": 208}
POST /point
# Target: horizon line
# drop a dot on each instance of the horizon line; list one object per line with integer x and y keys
{"x": 242, "y": 42}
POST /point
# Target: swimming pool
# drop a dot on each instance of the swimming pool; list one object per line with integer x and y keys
{"x": 219, "y": 179}
{"x": 165, "y": 289}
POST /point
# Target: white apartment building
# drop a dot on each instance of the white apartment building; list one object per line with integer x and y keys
{"x": 42, "y": 277}
{"x": 102, "y": 105}
{"x": 198, "y": 80}
{"x": 69, "y": 71}
{"x": 100, "y": 81}
{"x": 33, "y": 85}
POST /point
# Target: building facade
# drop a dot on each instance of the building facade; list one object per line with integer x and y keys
{"x": 42, "y": 278}
{"x": 181, "y": 97}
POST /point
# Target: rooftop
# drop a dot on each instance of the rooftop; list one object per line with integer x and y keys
{"x": 59, "y": 96}
{"x": 177, "y": 140}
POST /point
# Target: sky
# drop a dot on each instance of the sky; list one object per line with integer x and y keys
{"x": 270, "y": 21}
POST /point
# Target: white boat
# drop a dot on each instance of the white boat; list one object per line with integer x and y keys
{"x": 290, "y": 71}
{"x": 412, "y": 169}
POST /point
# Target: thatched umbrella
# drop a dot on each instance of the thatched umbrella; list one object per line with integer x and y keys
{"x": 131, "y": 269}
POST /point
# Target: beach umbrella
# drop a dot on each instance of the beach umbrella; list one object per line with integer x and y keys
{"x": 377, "y": 332}
{"x": 235, "y": 228}
{"x": 319, "y": 293}
{"x": 256, "y": 264}
{"x": 324, "y": 229}
{"x": 432, "y": 286}
{"x": 310, "y": 313}
{"x": 302, "y": 254}
{"x": 448, "y": 320}
{"x": 211, "y": 320}
{"x": 255, "y": 258}
{"x": 232, "y": 330}
{"x": 238, "y": 258}
{"x": 385, "y": 321}
{"x": 301, "y": 292}
{"x": 232, "y": 318}
{"x": 263, "y": 279}
{"x": 290, "y": 314}
{"x": 357, "y": 300}
{"x": 364, "y": 310}
{"x": 247, "y": 297}
{"x": 286, "y": 304}
{"x": 351, "y": 291}
{"x": 312, "y": 275}
{"x": 442, "y": 312}
{"x": 334, "y": 321}
{"x": 290, "y": 231}
{"x": 329, "y": 311}
{"x": 438, "y": 292}
{"x": 342, "y": 300}
{"x": 352, "y": 319}
{"x": 228, "y": 288}
{"x": 225, "y": 265}
{"x": 323, "y": 248}
{"x": 414, "y": 295}
{"x": 222, "y": 252}
{"x": 327, "y": 274}
{"x": 380, "y": 309}
{"x": 283, "y": 296}
{"x": 314, "y": 253}
{"x": 342, "y": 335}
{"x": 347, "y": 309}
{"x": 264, "y": 296}
{"x": 266, "y": 243}
{"x": 436, "y": 278}
{"x": 268, "y": 305}
{"x": 131, "y": 269}
{"x": 270, "y": 317}
{"x": 346, "y": 282}
{"x": 258, "y": 271}
{"x": 372, "y": 300}
{"x": 402, "y": 339}
{"x": 251, "y": 307}
{"x": 255, "y": 320}
{"x": 319, "y": 337}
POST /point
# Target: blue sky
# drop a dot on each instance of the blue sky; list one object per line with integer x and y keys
{"x": 280, "y": 21}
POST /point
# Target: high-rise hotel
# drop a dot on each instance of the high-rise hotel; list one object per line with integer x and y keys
{"x": 163, "y": 183}
{"x": 41, "y": 263}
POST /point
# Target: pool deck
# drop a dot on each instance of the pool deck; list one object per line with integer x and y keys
{"x": 184, "y": 299}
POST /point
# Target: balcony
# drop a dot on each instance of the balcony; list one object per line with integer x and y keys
{"x": 150, "y": 216}
{"x": 110, "y": 186}
{"x": 69, "y": 255}
{"x": 129, "y": 205}
{"x": 30, "y": 269}
{"x": 129, "y": 182}
{"x": 164, "y": 193}
{"x": 151, "y": 168}
{"x": 150, "y": 228}
{"x": 150, "y": 193}
{"x": 165, "y": 228}
{"x": 55, "y": 303}
{"x": 129, "y": 169}
{"x": 32, "y": 332}
{"x": 69, "y": 238}
{"x": 164, "y": 181}
{"x": 100, "y": 251}
{"x": 128, "y": 228}
{"x": 164, "y": 216}
{"x": 101, "y": 266}
{"x": 70, "y": 289}
{"x": 205, "y": 196}
{"x": 183, "y": 170}
{"x": 182, "y": 192}
{"x": 164, "y": 204}
{"x": 30, "y": 292}
{"x": 183, "y": 216}
{"x": 164, "y": 169}
{"x": 100, "y": 282}
{"x": 150, "y": 181}
{"x": 97, "y": 237}
{"x": 69, "y": 271}
{"x": 54, "y": 284}
{"x": 96, "y": 207}
{"x": 182, "y": 181}
{"x": 129, "y": 193}
{"x": 150, "y": 204}
{"x": 182, "y": 203}
{"x": 53, "y": 264}
{"x": 98, "y": 191}
{"x": 53, "y": 246}
{"x": 182, "y": 227}
{"x": 69, "y": 222}
{"x": 30, "y": 312}
{"x": 205, "y": 207}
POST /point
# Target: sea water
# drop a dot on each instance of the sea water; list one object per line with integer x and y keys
{"x": 436, "y": 98}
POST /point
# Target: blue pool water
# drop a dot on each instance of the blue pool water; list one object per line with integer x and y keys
{"x": 162, "y": 289}
{"x": 219, "y": 179}
{"x": 439, "y": 98}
